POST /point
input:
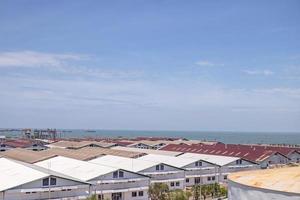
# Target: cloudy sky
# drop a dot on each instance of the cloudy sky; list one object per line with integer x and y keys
{"x": 158, "y": 65}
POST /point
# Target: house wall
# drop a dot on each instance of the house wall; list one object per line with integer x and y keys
{"x": 128, "y": 195}
{"x": 58, "y": 191}
{"x": 106, "y": 185}
{"x": 274, "y": 159}
{"x": 295, "y": 157}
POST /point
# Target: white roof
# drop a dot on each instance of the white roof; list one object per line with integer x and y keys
{"x": 170, "y": 160}
{"x": 14, "y": 174}
{"x": 76, "y": 168}
{"x": 129, "y": 164}
{"x": 147, "y": 151}
{"x": 218, "y": 160}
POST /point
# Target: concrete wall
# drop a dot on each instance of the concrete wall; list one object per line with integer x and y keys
{"x": 238, "y": 191}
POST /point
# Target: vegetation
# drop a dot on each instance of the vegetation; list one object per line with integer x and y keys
{"x": 179, "y": 195}
{"x": 211, "y": 190}
{"x": 159, "y": 191}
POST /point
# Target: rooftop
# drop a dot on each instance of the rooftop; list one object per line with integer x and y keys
{"x": 170, "y": 160}
{"x": 82, "y": 170}
{"x": 129, "y": 164}
{"x": 79, "y": 144}
{"x": 15, "y": 173}
{"x": 218, "y": 160}
{"x": 147, "y": 151}
{"x": 25, "y": 155}
{"x": 286, "y": 179}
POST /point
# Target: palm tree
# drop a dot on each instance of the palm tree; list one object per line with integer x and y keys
{"x": 159, "y": 191}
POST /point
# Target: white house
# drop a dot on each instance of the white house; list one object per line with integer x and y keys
{"x": 226, "y": 164}
{"x": 294, "y": 156}
{"x": 108, "y": 182}
{"x": 197, "y": 171}
{"x": 23, "y": 181}
{"x": 158, "y": 171}
{"x": 275, "y": 158}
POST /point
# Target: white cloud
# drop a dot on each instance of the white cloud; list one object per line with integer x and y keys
{"x": 206, "y": 63}
{"x": 36, "y": 59}
{"x": 264, "y": 72}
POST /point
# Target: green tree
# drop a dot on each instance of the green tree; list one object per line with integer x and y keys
{"x": 196, "y": 192}
{"x": 159, "y": 191}
{"x": 179, "y": 195}
{"x": 223, "y": 192}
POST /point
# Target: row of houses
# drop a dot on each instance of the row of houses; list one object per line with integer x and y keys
{"x": 70, "y": 175}
{"x": 266, "y": 156}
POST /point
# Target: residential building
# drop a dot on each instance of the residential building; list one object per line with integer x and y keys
{"x": 23, "y": 181}
{"x": 158, "y": 171}
{"x": 107, "y": 182}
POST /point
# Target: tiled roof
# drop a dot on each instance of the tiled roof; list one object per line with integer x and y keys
{"x": 252, "y": 153}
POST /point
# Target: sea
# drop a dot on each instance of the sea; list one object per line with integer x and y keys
{"x": 222, "y": 136}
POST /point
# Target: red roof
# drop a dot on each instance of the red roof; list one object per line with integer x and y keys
{"x": 253, "y": 153}
{"x": 20, "y": 143}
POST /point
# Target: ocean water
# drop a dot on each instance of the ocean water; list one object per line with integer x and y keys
{"x": 226, "y": 137}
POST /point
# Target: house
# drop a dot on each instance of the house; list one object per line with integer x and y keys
{"x": 146, "y": 151}
{"x": 148, "y": 144}
{"x": 23, "y": 181}
{"x": 226, "y": 164}
{"x": 254, "y": 154}
{"x": 197, "y": 171}
{"x": 107, "y": 182}
{"x": 66, "y": 144}
{"x": 25, "y": 155}
{"x": 158, "y": 171}
{"x": 33, "y": 145}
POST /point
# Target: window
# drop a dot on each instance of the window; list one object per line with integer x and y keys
{"x": 157, "y": 167}
{"x": 198, "y": 163}
{"x": 141, "y": 193}
{"x": 187, "y": 180}
{"x": 100, "y": 197}
{"x": 208, "y": 178}
{"x": 162, "y": 167}
{"x": 213, "y": 178}
{"x": 52, "y": 181}
{"x": 225, "y": 177}
{"x": 172, "y": 184}
{"x": 197, "y": 180}
{"x": 45, "y": 181}
{"x": 133, "y": 194}
{"x": 121, "y": 174}
{"x": 238, "y": 162}
{"x": 177, "y": 183}
{"x": 115, "y": 174}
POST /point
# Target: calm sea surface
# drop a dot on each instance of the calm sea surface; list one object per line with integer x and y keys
{"x": 226, "y": 137}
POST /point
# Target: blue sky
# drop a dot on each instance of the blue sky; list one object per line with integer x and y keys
{"x": 158, "y": 65}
